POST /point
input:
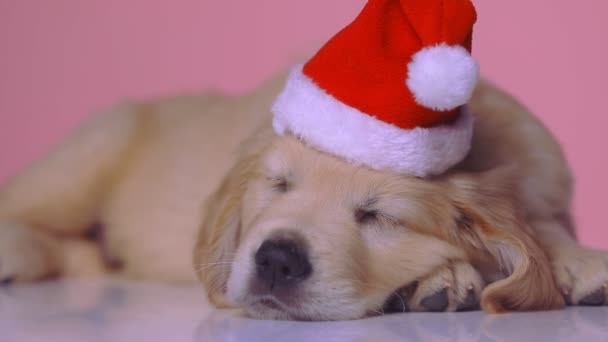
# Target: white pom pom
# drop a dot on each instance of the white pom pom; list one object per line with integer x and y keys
{"x": 442, "y": 77}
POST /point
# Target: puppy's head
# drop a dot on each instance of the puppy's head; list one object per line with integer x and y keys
{"x": 294, "y": 233}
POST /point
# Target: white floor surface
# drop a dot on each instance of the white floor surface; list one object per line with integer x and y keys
{"x": 108, "y": 310}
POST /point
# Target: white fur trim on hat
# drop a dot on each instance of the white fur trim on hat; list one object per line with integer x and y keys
{"x": 306, "y": 111}
{"x": 442, "y": 77}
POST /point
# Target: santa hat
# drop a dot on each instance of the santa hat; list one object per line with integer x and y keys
{"x": 389, "y": 91}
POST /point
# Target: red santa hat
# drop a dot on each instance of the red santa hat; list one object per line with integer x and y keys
{"x": 389, "y": 90}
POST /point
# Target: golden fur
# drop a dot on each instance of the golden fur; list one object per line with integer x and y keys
{"x": 199, "y": 173}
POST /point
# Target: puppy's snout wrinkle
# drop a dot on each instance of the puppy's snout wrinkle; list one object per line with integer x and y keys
{"x": 282, "y": 263}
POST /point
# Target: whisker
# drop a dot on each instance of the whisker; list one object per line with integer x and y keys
{"x": 403, "y": 305}
{"x": 379, "y": 311}
{"x": 367, "y": 284}
{"x": 215, "y": 264}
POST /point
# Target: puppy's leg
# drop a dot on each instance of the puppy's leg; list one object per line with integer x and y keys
{"x": 453, "y": 287}
{"x": 59, "y": 197}
{"x": 581, "y": 272}
{"x": 27, "y": 254}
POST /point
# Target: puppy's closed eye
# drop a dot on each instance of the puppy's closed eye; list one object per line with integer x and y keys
{"x": 280, "y": 184}
{"x": 373, "y": 212}
{"x": 365, "y": 216}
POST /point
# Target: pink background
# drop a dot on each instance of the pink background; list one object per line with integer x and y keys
{"x": 61, "y": 60}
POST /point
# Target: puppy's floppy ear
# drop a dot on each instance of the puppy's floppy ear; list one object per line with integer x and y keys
{"x": 488, "y": 220}
{"x": 220, "y": 232}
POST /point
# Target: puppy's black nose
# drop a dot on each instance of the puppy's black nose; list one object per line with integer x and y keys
{"x": 282, "y": 263}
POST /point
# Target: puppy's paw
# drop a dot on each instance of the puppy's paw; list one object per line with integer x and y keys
{"x": 582, "y": 275}
{"x": 455, "y": 287}
{"x": 26, "y": 255}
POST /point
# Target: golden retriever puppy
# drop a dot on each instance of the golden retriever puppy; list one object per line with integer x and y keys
{"x": 139, "y": 189}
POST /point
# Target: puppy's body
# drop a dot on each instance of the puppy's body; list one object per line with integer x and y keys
{"x": 158, "y": 176}
{"x": 142, "y": 172}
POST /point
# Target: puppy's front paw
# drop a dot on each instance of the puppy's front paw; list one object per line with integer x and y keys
{"x": 455, "y": 287}
{"x": 25, "y": 255}
{"x": 582, "y": 275}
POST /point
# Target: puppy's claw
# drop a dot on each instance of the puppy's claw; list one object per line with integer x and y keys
{"x": 596, "y": 298}
{"x": 567, "y": 300}
{"x": 395, "y": 304}
{"x": 470, "y": 303}
{"x": 436, "y": 302}
{"x": 7, "y": 281}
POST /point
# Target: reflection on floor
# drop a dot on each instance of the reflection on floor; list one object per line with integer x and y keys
{"x": 109, "y": 310}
